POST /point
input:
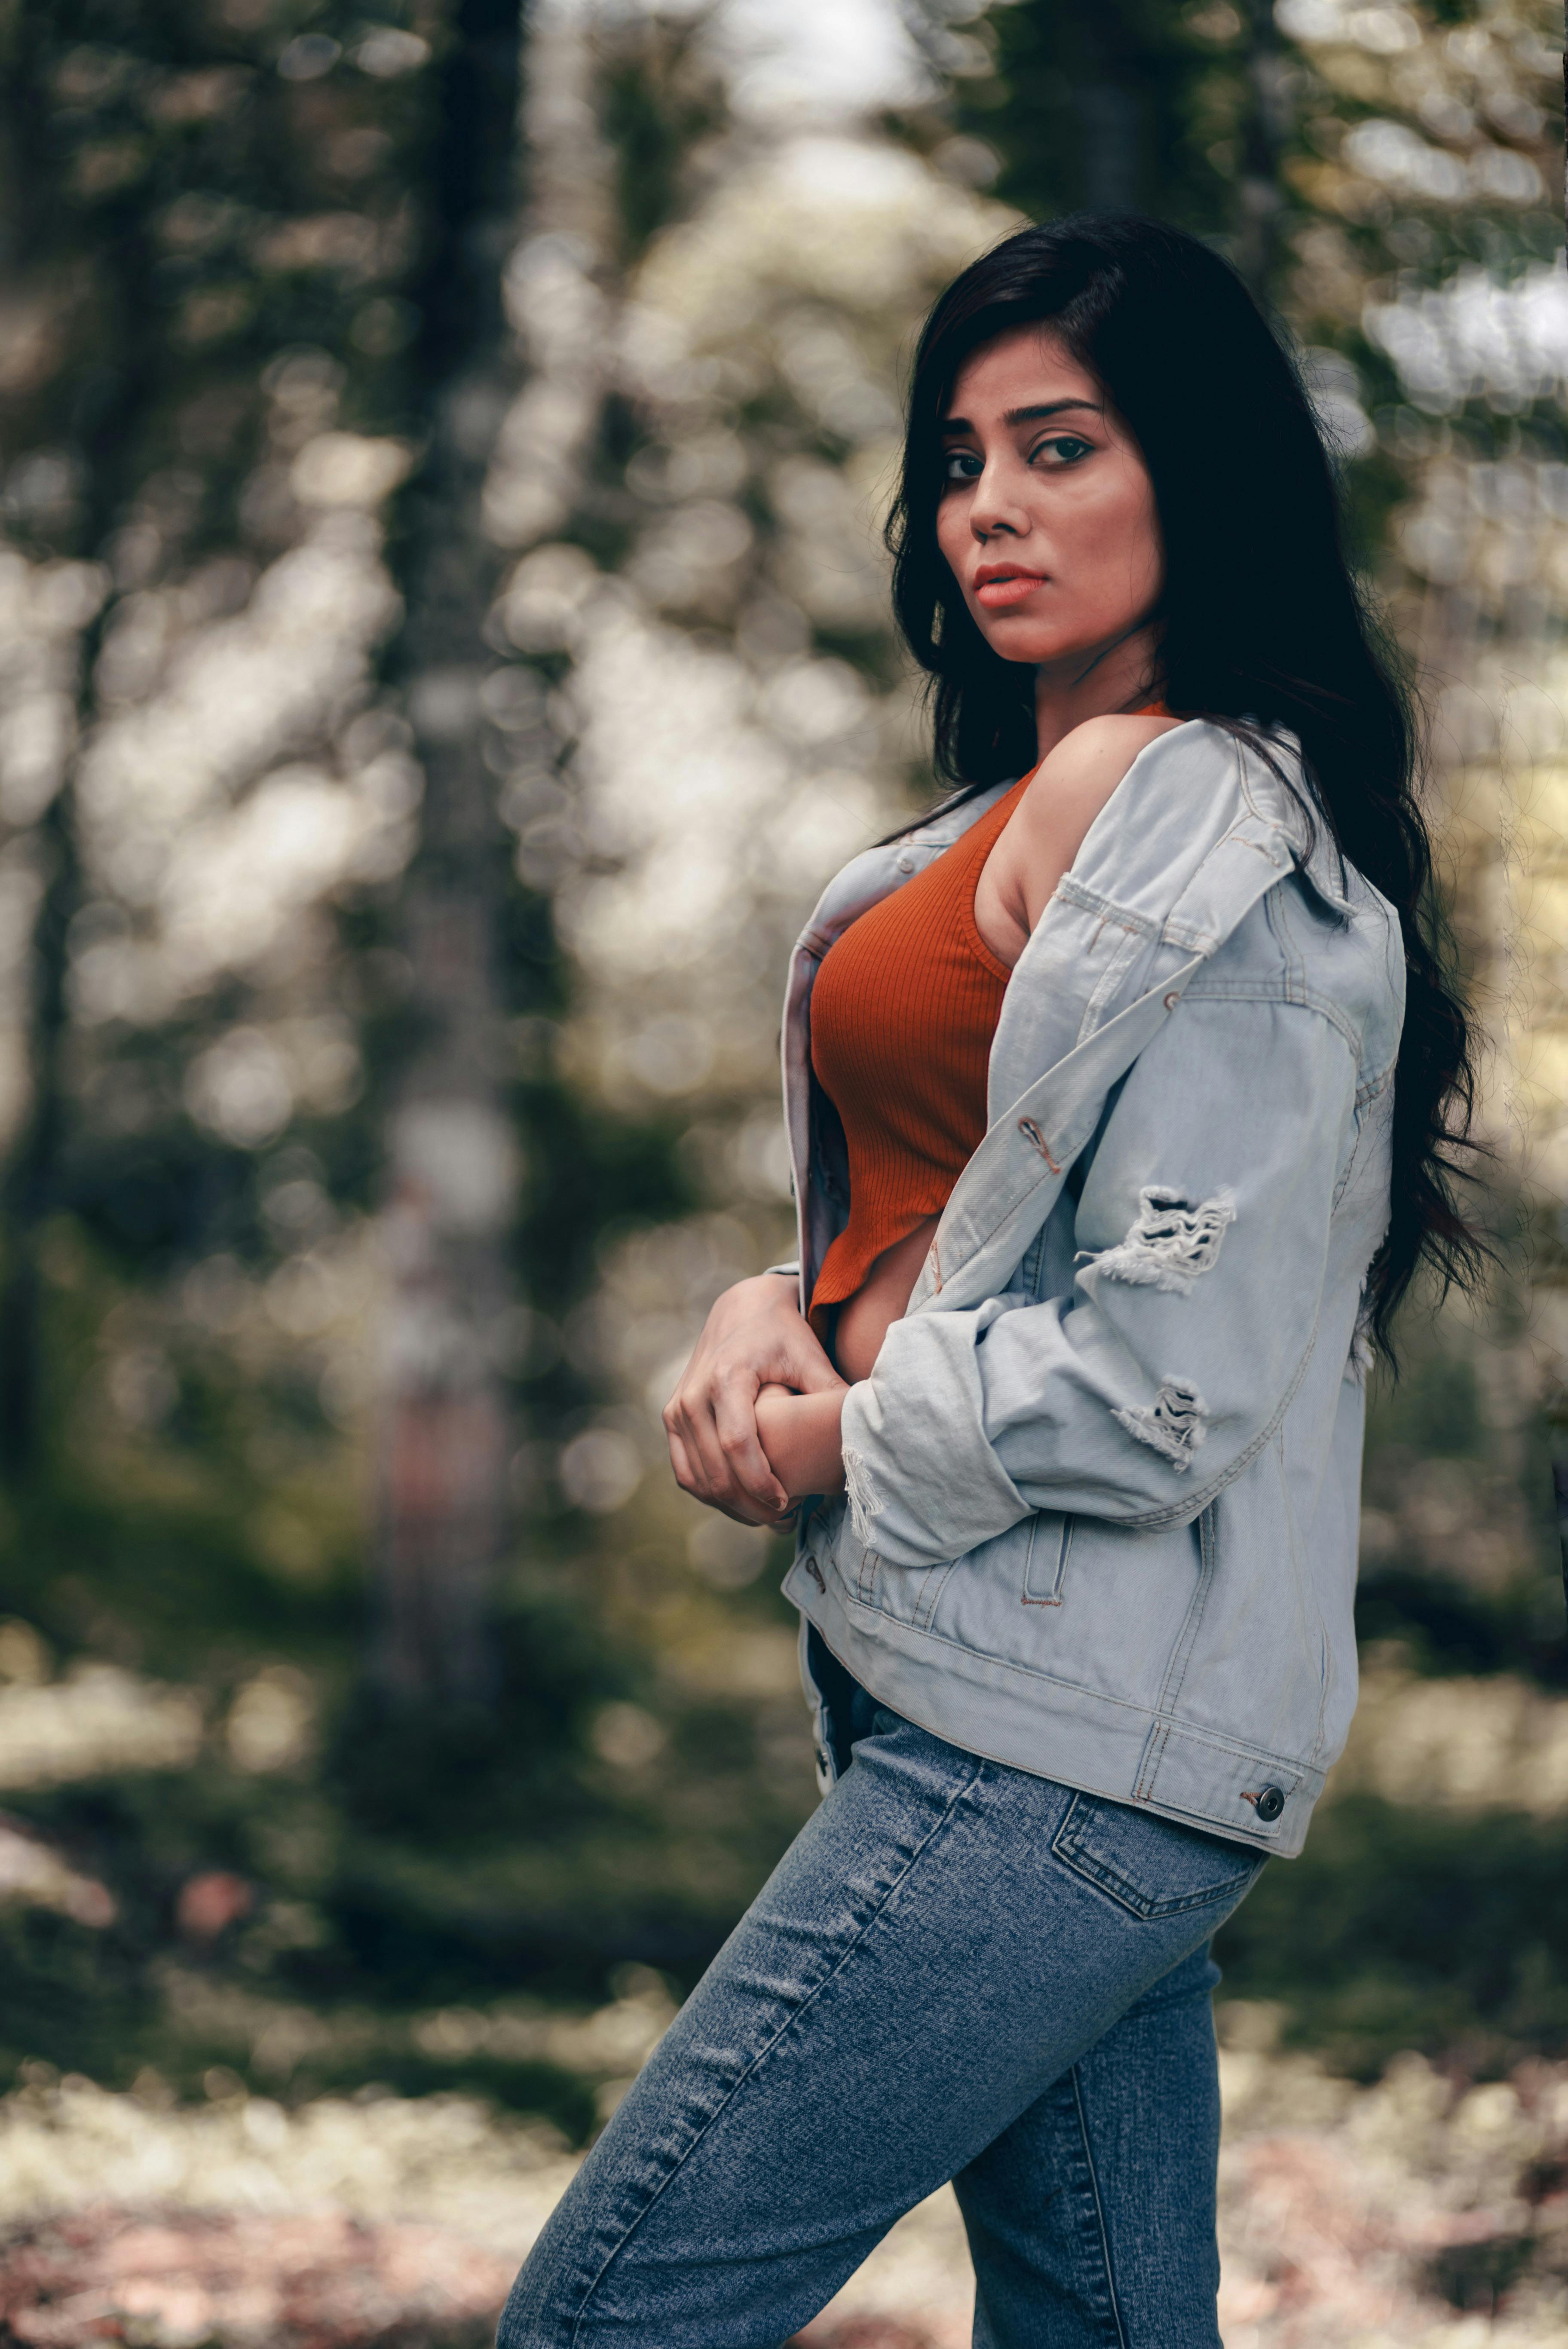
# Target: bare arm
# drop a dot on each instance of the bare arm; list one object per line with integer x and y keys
{"x": 1049, "y": 825}
{"x": 799, "y": 1433}
{"x": 755, "y": 1336}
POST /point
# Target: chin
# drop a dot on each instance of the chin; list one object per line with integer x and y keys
{"x": 1020, "y": 640}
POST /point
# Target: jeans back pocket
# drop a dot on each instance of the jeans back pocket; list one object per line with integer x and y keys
{"x": 1150, "y": 1865}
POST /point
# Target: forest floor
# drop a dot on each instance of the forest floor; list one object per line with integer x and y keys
{"x": 231, "y": 2181}
{"x": 1410, "y": 2215}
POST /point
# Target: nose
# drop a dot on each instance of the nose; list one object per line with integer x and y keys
{"x": 995, "y": 509}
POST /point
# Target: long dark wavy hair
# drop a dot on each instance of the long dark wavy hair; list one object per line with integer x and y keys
{"x": 1262, "y": 624}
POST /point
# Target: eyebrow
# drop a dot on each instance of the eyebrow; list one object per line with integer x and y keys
{"x": 1025, "y": 415}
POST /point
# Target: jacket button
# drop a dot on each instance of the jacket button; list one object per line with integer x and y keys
{"x": 906, "y": 865}
{"x": 1270, "y": 1803}
{"x": 1172, "y": 999}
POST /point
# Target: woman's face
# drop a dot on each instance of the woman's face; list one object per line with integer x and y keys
{"x": 1046, "y": 516}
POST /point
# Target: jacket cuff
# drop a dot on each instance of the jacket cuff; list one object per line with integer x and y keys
{"x": 922, "y": 1480}
{"x": 791, "y": 1270}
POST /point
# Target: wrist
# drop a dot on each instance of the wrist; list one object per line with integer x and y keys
{"x": 799, "y": 1434}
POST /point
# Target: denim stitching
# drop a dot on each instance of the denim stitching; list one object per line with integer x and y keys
{"x": 1098, "y": 2208}
{"x": 960, "y": 1794}
{"x": 1260, "y": 1755}
{"x": 1180, "y": 1657}
{"x": 1149, "y": 1761}
{"x": 1349, "y": 1167}
{"x": 1252, "y": 990}
{"x": 1121, "y": 918}
{"x": 1364, "y": 1126}
{"x": 1374, "y": 1086}
{"x": 929, "y": 1594}
{"x": 1187, "y": 1639}
{"x": 1074, "y": 1854}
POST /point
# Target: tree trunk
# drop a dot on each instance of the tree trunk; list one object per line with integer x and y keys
{"x": 1255, "y": 236}
{"x": 453, "y": 1165}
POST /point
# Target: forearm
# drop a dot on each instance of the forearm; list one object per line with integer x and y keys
{"x": 799, "y": 1434}
{"x": 754, "y": 1336}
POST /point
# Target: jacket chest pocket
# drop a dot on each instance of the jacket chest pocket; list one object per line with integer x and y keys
{"x": 1046, "y": 1559}
{"x": 976, "y": 1592}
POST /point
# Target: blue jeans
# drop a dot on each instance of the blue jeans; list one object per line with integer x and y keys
{"x": 958, "y": 1970}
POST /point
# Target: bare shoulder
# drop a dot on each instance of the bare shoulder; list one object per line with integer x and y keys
{"x": 1090, "y": 762}
{"x": 1048, "y": 826}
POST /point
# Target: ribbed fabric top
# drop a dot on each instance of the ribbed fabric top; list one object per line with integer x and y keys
{"x": 903, "y": 1014}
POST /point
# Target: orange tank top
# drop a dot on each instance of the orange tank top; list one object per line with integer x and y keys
{"x": 903, "y": 1015}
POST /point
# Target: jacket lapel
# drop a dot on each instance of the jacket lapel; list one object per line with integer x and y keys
{"x": 864, "y": 883}
{"x": 1089, "y": 955}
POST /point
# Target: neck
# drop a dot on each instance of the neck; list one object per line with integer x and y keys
{"x": 1121, "y": 675}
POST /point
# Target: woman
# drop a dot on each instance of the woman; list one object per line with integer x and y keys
{"x": 1119, "y": 1091}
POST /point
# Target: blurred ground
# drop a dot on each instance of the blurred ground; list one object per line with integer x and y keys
{"x": 1426, "y": 2203}
{"x": 1382, "y": 2218}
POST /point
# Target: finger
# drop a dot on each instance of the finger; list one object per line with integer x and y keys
{"x": 744, "y": 1514}
{"x": 735, "y": 1421}
{"x": 680, "y": 1461}
{"x": 714, "y": 1479}
{"x": 742, "y": 1511}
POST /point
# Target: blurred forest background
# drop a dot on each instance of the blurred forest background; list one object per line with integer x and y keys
{"x": 443, "y": 648}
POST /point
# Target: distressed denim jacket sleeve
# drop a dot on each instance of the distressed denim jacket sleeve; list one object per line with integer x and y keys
{"x": 1201, "y": 1230}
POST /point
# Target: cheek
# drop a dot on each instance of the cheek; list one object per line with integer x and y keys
{"x": 1118, "y": 535}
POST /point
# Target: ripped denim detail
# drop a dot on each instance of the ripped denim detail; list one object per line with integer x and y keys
{"x": 861, "y": 1496}
{"x": 1174, "y": 1424}
{"x": 1171, "y": 1242}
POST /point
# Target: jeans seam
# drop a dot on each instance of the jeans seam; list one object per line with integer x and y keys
{"x": 973, "y": 1779}
{"x": 1098, "y": 2208}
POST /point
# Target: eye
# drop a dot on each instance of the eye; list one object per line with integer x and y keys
{"x": 1069, "y": 448}
{"x": 962, "y": 465}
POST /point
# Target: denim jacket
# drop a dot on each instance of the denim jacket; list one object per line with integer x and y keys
{"x": 1102, "y": 1483}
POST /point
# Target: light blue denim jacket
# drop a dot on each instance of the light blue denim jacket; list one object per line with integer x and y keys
{"x": 1103, "y": 1480}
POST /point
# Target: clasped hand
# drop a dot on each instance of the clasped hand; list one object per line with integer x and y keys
{"x": 756, "y": 1348}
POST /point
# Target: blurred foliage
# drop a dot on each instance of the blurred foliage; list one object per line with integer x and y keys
{"x": 248, "y": 248}
{"x": 1400, "y": 1927}
{"x": 230, "y": 229}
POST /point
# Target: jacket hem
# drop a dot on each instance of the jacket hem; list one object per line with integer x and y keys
{"x": 1098, "y": 1744}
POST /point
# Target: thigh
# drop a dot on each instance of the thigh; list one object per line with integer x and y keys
{"x": 943, "y": 1940}
{"x": 1092, "y": 2218}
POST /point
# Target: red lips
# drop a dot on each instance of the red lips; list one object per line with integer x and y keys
{"x": 997, "y": 584}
